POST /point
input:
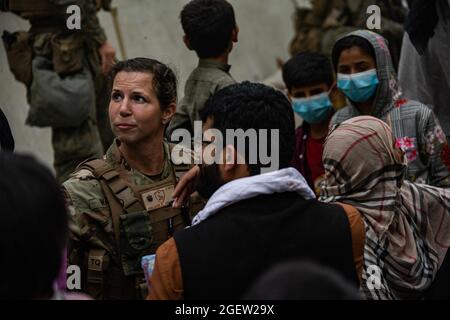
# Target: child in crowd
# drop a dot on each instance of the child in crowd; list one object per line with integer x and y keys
{"x": 210, "y": 30}
{"x": 311, "y": 87}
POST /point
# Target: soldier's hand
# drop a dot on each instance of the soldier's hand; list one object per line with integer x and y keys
{"x": 185, "y": 187}
{"x": 108, "y": 56}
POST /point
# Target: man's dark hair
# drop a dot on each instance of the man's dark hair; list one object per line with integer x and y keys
{"x": 254, "y": 106}
{"x": 33, "y": 228}
{"x": 164, "y": 79}
{"x": 307, "y": 69}
{"x": 347, "y": 43}
{"x": 208, "y": 24}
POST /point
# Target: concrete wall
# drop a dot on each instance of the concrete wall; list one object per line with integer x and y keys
{"x": 151, "y": 28}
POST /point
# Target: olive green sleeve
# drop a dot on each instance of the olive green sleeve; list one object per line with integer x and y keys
{"x": 75, "y": 252}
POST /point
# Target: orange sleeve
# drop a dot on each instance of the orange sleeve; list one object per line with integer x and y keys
{"x": 166, "y": 282}
{"x": 358, "y": 236}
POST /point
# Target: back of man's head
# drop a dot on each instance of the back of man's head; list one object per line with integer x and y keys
{"x": 254, "y": 106}
{"x": 302, "y": 280}
{"x": 305, "y": 69}
{"x": 33, "y": 228}
{"x": 208, "y": 25}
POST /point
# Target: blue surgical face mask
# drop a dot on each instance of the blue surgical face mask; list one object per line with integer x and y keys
{"x": 314, "y": 109}
{"x": 358, "y": 87}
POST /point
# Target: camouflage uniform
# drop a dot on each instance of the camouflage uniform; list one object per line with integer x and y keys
{"x": 317, "y": 28}
{"x": 72, "y": 145}
{"x": 111, "y": 230}
{"x": 393, "y": 16}
{"x": 311, "y": 21}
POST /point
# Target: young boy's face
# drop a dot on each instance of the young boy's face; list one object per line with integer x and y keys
{"x": 308, "y": 91}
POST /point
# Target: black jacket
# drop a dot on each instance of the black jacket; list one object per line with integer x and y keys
{"x": 222, "y": 256}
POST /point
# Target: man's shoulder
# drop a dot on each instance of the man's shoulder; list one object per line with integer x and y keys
{"x": 312, "y": 207}
{"x": 288, "y": 201}
{"x": 291, "y": 203}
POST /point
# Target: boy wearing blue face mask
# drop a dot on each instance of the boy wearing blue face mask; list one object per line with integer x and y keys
{"x": 365, "y": 74}
{"x": 310, "y": 83}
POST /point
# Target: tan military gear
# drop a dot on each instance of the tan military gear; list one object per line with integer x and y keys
{"x": 72, "y": 53}
{"x": 311, "y": 22}
{"x": 120, "y": 215}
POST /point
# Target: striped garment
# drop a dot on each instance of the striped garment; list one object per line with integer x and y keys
{"x": 407, "y": 224}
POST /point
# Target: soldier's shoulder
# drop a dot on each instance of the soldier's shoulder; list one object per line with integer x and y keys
{"x": 83, "y": 189}
{"x": 83, "y": 172}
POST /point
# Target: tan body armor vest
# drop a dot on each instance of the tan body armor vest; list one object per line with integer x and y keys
{"x": 142, "y": 219}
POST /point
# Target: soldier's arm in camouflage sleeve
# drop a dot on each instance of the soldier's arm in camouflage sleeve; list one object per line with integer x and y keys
{"x": 75, "y": 247}
{"x": 85, "y": 202}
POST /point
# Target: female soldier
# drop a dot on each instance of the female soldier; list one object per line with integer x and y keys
{"x": 121, "y": 204}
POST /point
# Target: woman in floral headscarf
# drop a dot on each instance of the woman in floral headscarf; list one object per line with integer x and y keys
{"x": 407, "y": 224}
{"x": 366, "y": 75}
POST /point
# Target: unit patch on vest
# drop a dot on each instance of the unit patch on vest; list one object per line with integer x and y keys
{"x": 158, "y": 198}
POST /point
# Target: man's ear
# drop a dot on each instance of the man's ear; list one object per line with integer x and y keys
{"x": 234, "y": 166}
{"x": 230, "y": 158}
{"x": 168, "y": 113}
{"x": 235, "y": 34}
{"x": 187, "y": 43}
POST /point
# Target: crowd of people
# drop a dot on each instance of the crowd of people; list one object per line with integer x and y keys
{"x": 357, "y": 208}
